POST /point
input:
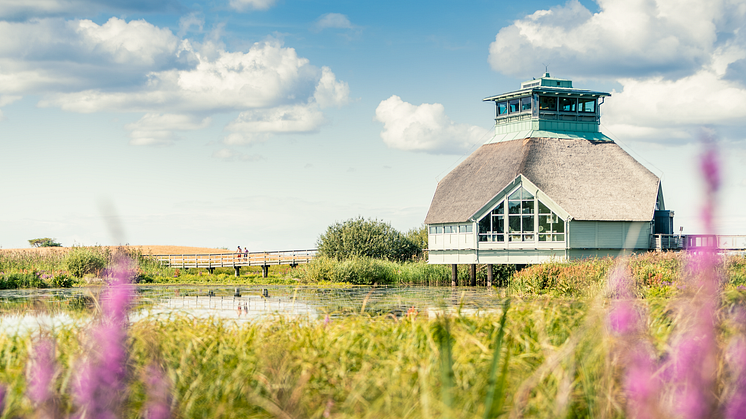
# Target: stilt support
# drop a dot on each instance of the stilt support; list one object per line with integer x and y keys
{"x": 265, "y": 271}
{"x": 211, "y": 270}
{"x": 238, "y": 270}
{"x": 454, "y": 275}
{"x": 490, "y": 275}
{"x": 473, "y": 275}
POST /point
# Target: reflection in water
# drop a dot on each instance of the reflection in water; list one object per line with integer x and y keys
{"x": 24, "y": 309}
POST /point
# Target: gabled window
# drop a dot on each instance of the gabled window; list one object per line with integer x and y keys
{"x": 521, "y": 218}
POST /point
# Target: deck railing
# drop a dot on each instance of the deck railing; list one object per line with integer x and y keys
{"x": 221, "y": 260}
{"x": 661, "y": 242}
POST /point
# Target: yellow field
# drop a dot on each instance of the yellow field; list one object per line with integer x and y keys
{"x": 145, "y": 249}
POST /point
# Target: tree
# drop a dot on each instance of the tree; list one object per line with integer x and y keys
{"x": 367, "y": 238}
{"x": 44, "y": 242}
{"x": 418, "y": 236}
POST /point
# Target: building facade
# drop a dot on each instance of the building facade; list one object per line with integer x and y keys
{"x": 548, "y": 186}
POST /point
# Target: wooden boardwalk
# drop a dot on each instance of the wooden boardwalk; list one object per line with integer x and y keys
{"x": 210, "y": 261}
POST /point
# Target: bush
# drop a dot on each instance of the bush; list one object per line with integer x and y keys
{"x": 44, "y": 242}
{"x": 358, "y": 237}
{"x": 62, "y": 281}
{"x": 356, "y": 271}
{"x": 21, "y": 280}
{"x": 83, "y": 260}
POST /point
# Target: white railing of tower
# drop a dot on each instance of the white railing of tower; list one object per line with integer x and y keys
{"x": 723, "y": 243}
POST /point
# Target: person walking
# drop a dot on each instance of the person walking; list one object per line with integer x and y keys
{"x": 239, "y": 253}
{"x": 246, "y": 253}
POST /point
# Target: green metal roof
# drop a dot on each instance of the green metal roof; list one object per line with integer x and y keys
{"x": 517, "y": 135}
{"x": 547, "y": 85}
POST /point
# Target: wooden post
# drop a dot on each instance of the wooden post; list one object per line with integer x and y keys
{"x": 490, "y": 275}
{"x": 473, "y": 275}
{"x": 238, "y": 270}
{"x": 454, "y": 275}
{"x": 265, "y": 271}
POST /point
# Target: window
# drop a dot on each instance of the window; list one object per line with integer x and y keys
{"x": 526, "y": 104}
{"x": 439, "y": 230}
{"x": 547, "y": 103}
{"x": 526, "y": 219}
{"x": 465, "y": 229}
{"x": 432, "y": 229}
{"x": 568, "y": 104}
{"x": 513, "y": 105}
{"x": 502, "y": 108}
{"x": 587, "y": 105}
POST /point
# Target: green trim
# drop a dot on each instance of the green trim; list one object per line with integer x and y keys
{"x": 569, "y": 135}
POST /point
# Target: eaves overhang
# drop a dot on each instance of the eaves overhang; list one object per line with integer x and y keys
{"x": 559, "y": 91}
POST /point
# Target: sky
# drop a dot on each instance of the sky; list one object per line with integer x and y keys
{"x": 259, "y": 123}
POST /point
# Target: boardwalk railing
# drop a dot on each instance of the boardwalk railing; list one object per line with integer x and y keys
{"x": 211, "y": 261}
{"x": 722, "y": 243}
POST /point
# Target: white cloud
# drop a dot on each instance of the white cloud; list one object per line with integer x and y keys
{"x": 333, "y": 20}
{"x": 425, "y": 128}
{"x": 242, "y": 5}
{"x": 158, "y": 129}
{"x": 625, "y": 38}
{"x": 268, "y": 75}
{"x": 329, "y": 91}
{"x": 120, "y": 66}
{"x": 677, "y": 62}
{"x": 8, "y": 99}
{"x": 255, "y": 125}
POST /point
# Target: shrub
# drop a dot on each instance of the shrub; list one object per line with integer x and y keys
{"x": 357, "y": 271}
{"x": 83, "y": 260}
{"x": 62, "y": 281}
{"x": 358, "y": 237}
{"x": 21, "y": 280}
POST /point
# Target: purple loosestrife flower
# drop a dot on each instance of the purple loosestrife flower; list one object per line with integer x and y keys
{"x": 41, "y": 373}
{"x": 640, "y": 385}
{"x": 101, "y": 382}
{"x": 736, "y": 404}
{"x": 158, "y": 388}
{"x": 2, "y": 399}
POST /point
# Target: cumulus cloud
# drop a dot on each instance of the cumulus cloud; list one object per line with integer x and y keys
{"x": 158, "y": 129}
{"x": 625, "y": 38}
{"x": 135, "y": 66}
{"x": 333, "y": 20}
{"x": 243, "y": 5}
{"x": 678, "y": 63}
{"x": 268, "y": 75}
{"x": 425, "y": 128}
{"x": 255, "y": 125}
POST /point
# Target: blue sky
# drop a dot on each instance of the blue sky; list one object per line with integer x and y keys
{"x": 260, "y": 122}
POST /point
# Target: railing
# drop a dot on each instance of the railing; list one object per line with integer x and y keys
{"x": 661, "y": 242}
{"x": 221, "y": 260}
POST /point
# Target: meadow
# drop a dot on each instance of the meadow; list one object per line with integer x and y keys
{"x": 593, "y": 338}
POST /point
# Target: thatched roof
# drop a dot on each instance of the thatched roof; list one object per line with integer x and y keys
{"x": 590, "y": 180}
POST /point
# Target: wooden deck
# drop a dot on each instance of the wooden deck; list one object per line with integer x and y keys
{"x": 236, "y": 261}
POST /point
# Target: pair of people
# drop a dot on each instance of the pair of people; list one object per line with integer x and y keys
{"x": 245, "y": 252}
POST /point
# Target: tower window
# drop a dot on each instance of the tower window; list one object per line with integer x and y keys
{"x": 502, "y": 108}
{"x": 587, "y": 105}
{"x": 547, "y": 103}
{"x": 513, "y": 105}
{"x": 526, "y": 104}
{"x": 568, "y": 104}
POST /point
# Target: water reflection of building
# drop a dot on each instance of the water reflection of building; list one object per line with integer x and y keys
{"x": 548, "y": 186}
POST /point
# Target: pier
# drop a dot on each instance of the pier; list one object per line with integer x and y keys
{"x": 265, "y": 259}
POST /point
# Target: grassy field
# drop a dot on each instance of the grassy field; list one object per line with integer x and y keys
{"x": 587, "y": 339}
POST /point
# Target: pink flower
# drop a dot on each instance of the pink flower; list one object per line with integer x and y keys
{"x": 41, "y": 372}
{"x": 158, "y": 388}
{"x": 736, "y": 404}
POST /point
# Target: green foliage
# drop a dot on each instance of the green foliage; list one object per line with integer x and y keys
{"x": 418, "y": 236}
{"x": 358, "y": 237}
{"x": 356, "y": 271}
{"x": 44, "y": 242}
{"x": 86, "y": 260}
{"x": 21, "y": 280}
{"x": 62, "y": 281}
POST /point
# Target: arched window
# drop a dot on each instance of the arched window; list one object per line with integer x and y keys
{"x": 521, "y": 218}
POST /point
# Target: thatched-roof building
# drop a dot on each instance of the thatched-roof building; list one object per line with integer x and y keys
{"x": 547, "y": 186}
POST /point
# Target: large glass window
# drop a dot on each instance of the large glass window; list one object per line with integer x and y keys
{"x": 502, "y": 108}
{"x": 547, "y": 103}
{"x": 568, "y": 104}
{"x": 513, "y": 105}
{"x": 525, "y": 104}
{"x": 587, "y": 105}
{"x": 527, "y": 220}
